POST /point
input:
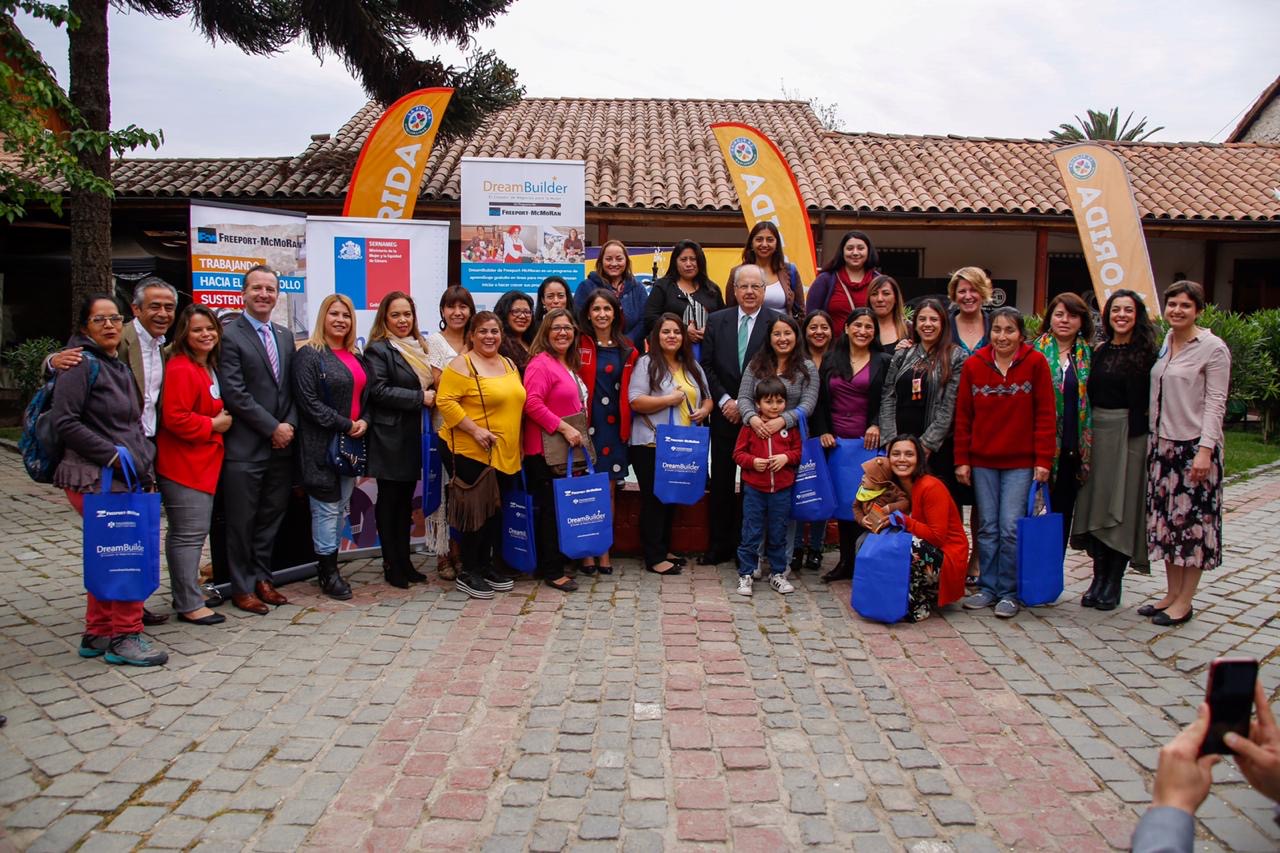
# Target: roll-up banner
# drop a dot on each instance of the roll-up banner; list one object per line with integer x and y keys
{"x": 1107, "y": 218}
{"x": 227, "y": 239}
{"x": 522, "y": 220}
{"x": 365, "y": 259}
{"x": 388, "y": 173}
{"x": 767, "y": 189}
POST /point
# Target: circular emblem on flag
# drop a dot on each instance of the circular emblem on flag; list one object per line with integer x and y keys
{"x": 1082, "y": 167}
{"x": 418, "y": 120}
{"x": 743, "y": 151}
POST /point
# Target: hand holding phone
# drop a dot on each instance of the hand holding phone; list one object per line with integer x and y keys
{"x": 1232, "y": 682}
{"x": 1258, "y": 756}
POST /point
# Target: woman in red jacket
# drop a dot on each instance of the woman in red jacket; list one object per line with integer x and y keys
{"x": 189, "y": 454}
{"x": 939, "y": 548}
{"x": 1006, "y": 436}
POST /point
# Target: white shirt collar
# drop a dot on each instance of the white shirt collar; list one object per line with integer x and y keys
{"x": 144, "y": 337}
{"x": 742, "y": 313}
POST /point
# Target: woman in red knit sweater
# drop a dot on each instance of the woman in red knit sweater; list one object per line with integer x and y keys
{"x": 939, "y": 548}
{"x": 1006, "y": 436}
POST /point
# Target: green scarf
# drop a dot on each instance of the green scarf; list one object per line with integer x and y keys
{"x": 1082, "y": 360}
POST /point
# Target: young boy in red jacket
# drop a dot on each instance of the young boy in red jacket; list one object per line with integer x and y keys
{"x": 768, "y": 473}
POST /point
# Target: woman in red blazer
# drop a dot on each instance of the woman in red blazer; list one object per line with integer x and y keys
{"x": 189, "y": 454}
{"x": 939, "y": 548}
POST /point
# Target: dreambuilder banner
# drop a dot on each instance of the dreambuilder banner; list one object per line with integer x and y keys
{"x": 522, "y": 220}
{"x": 365, "y": 259}
{"x": 227, "y": 239}
{"x": 768, "y": 190}
{"x": 1107, "y": 218}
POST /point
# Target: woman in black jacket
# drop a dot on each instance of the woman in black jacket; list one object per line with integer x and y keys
{"x": 401, "y": 386}
{"x": 685, "y": 291}
{"x": 850, "y": 386}
{"x": 329, "y": 380}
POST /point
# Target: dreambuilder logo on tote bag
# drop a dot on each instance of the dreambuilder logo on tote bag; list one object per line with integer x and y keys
{"x": 584, "y": 516}
{"x": 680, "y": 462}
{"x": 122, "y": 538}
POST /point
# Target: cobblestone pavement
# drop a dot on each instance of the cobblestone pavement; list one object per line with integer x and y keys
{"x": 640, "y": 713}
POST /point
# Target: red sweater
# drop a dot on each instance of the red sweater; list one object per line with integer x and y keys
{"x": 587, "y": 373}
{"x": 188, "y": 451}
{"x": 935, "y": 519}
{"x": 1006, "y": 421}
{"x": 751, "y": 447}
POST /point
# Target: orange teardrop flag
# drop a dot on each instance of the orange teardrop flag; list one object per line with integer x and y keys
{"x": 767, "y": 189}
{"x": 1107, "y": 220}
{"x": 385, "y": 181}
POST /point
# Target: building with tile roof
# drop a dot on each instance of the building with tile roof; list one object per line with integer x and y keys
{"x": 654, "y": 175}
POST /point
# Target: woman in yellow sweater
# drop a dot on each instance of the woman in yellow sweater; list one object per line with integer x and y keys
{"x": 480, "y": 400}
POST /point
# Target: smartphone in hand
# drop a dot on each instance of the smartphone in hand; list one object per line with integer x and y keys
{"x": 1230, "y": 698}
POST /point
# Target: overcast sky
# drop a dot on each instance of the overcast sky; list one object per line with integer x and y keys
{"x": 1004, "y": 68}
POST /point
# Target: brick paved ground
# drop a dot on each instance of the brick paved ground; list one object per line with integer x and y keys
{"x": 640, "y": 713}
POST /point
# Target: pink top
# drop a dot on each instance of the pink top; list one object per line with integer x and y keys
{"x": 357, "y": 379}
{"x": 553, "y": 394}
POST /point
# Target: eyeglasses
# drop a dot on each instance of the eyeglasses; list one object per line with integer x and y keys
{"x": 521, "y": 312}
{"x": 749, "y": 287}
{"x": 107, "y": 320}
{"x": 562, "y": 328}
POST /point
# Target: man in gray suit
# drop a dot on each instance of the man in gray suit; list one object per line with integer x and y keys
{"x": 253, "y": 372}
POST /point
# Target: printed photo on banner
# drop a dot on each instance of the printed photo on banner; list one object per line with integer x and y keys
{"x": 522, "y": 221}
{"x": 226, "y": 240}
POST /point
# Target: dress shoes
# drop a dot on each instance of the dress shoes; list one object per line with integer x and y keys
{"x": 149, "y": 618}
{"x": 250, "y": 603}
{"x": 1164, "y": 620}
{"x": 712, "y": 558}
{"x": 211, "y": 619}
{"x": 266, "y": 592}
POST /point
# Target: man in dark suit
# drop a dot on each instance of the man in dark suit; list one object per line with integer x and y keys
{"x": 253, "y": 372}
{"x": 733, "y": 336}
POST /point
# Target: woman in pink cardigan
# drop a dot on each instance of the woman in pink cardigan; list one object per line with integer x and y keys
{"x": 554, "y": 393}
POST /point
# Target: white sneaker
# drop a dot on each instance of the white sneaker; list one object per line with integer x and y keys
{"x": 780, "y": 584}
{"x": 744, "y": 584}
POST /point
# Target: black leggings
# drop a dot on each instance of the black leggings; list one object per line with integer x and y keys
{"x": 480, "y": 546}
{"x": 393, "y": 513}
{"x": 539, "y": 476}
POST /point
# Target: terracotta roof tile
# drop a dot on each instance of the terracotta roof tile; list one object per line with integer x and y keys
{"x": 661, "y": 154}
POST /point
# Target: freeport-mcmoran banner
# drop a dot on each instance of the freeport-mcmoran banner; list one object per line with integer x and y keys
{"x": 1107, "y": 218}
{"x": 385, "y": 181}
{"x": 767, "y": 190}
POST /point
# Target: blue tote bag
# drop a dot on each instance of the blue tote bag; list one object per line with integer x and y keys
{"x": 584, "y": 518}
{"x": 432, "y": 476}
{"x": 519, "y": 549}
{"x": 1040, "y": 551}
{"x": 845, "y": 465}
{"x": 680, "y": 462}
{"x": 812, "y": 497}
{"x": 122, "y": 538}
{"x": 882, "y": 575}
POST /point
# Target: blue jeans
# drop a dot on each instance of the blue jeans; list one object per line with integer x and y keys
{"x": 766, "y": 519}
{"x": 1002, "y": 500}
{"x": 327, "y": 519}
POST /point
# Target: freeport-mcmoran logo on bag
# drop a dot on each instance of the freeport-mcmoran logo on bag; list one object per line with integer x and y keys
{"x": 109, "y": 513}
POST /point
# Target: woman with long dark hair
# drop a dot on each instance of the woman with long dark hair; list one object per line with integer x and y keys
{"x": 667, "y": 384}
{"x": 605, "y": 361}
{"x": 685, "y": 291}
{"x": 613, "y": 272}
{"x": 783, "y": 290}
{"x": 456, "y": 310}
{"x": 920, "y": 390}
{"x": 553, "y": 293}
{"x": 515, "y": 311}
{"x": 1189, "y": 383}
{"x": 402, "y": 383}
{"x": 851, "y": 385}
{"x": 893, "y": 330}
{"x": 844, "y": 282}
{"x": 1111, "y": 507}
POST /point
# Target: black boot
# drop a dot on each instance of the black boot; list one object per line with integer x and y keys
{"x": 394, "y": 575}
{"x": 1109, "y": 593}
{"x": 813, "y": 562}
{"x": 1090, "y": 598}
{"x": 331, "y": 582}
{"x": 798, "y": 558}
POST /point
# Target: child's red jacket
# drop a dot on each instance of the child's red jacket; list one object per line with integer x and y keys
{"x": 751, "y": 447}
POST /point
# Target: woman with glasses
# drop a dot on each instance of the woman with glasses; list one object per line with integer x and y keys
{"x": 95, "y": 409}
{"x": 515, "y": 311}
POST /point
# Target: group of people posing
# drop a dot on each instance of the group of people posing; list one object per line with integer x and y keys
{"x": 964, "y": 409}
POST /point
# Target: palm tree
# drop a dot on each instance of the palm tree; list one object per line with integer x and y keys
{"x": 372, "y": 38}
{"x": 1104, "y": 126}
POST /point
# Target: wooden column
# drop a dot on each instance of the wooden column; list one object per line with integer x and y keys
{"x": 1211, "y": 270}
{"x": 1040, "y": 290}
